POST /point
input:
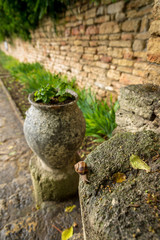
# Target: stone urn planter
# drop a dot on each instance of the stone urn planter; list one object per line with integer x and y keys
{"x": 54, "y": 133}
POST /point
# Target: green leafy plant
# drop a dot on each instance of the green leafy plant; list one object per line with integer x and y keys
{"x": 49, "y": 93}
{"x": 19, "y": 17}
{"x": 99, "y": 116}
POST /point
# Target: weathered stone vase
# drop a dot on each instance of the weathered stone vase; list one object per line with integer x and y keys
{"x": 54, "y": 133}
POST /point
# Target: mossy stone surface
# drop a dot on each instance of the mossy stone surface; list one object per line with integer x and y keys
{"x": 57, "y": 184}
{"x": 126, "y": 210}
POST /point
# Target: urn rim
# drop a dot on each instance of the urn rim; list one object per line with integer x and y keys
{"x": 54, "y": 106}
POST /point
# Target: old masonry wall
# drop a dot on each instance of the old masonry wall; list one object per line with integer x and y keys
{"x": 104, "y": 46}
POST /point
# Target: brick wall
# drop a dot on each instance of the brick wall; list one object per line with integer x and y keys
{"x": 104, "y": 46}
{"x": 153, "y": 48}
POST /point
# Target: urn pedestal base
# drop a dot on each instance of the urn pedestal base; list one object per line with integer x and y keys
{"x": 52, "y": 184}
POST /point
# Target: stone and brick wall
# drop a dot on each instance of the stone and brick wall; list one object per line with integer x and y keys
{"x": 104, "y": 46}
{"x": 153, "y": 49}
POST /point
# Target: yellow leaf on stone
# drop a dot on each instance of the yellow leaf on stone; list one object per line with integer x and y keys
{"x": 119, "y": 177}
{"x": 137, "y": 163}
{"x": 12, "y": 153}
{"x": 70, "y": 208}
{"x": 67, "y": 233}
{"x": 10, "y": 147}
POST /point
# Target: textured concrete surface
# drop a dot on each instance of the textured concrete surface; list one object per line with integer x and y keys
{"x": 127, "y": 209}
{"x": 139, "y": 108}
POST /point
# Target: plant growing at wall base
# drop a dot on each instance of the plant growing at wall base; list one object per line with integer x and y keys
{"x": 99, "y": 116}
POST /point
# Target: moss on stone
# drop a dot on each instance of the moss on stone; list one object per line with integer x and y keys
{"x": 54, "y": 185}
{"x": 120, "y": 210}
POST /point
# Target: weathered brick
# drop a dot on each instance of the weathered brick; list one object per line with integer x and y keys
{"x": 94, "y": 37}
{"x": 89, "y": 21}
{"x": 125, "y": 69}
{"x": 104, "y": 43}
{"x": 92, "y": 30}
{"x": 143, "y": 36}
{"x": 154, "y": 50}
{"x": 139, "y": 73}
{"x": 106, "y": 59}
{"x": 85, "y": 43}
{"x": 100, "y": 11}
{"x": 79, "y": 17}
{"x": 102, "y": 49}
{"x": 141, "y": 55}
{"x": 156, "y": 10}
{"x": 67, "y": 32}
{"x": 87, "y": 68}
{"x": 88, "y": 57}
{"x": 116, "y": 7}
{"x": 144, "y": 24}
{"x": 130, "y": 79}
{"x": 100, "y": 85}
{"x": 78, "y": 49}
{"x": 115, "y": 52}
{"x": 102, "y": 65}
{"x": 96, "y": 57}
{"x": 83, "y": 74}
{"x": 120, "y": 43}
{"x": 138, "y": 45}
{"x": 63, "y": 53}
{"x": 123, "y": 62}
{"x": 84, "y": 7}
{"x": 131, "y": 25}
{"x": 116, "y": 86}
{"x": 155, "y": 27}
{"x": 90, "y": 13}
{"x": 75, "y": 31}
{"x": 85, "y": 37}
{"x": 109, "y": 27}
{"x": 127, "y": 53}
{"x": 140, "y": 13}
{"x": 127, "y": 36}
{"x": 98, "y": 70}
{"x": 90, "y": 50}
{"x": 114, "y": 74}
{"x": 153, "y": 75}
{"x": 138, "y": 4}
{"x": 78, "y": 42}
{"x": 82, "y": 29}
{"x": 92, "y": 77}
{"x": 102, "y": 19}
{"x": 120, "y": 17}
{"x": 103, "y": 37}
{"x": 74, "y": 55}
{"x": 77, "y": 66}
{"x": 93, "y": 43}
{"x": 114, "y": 36}
{"x": 77, "y": 23}
{"x": 64, "y": 48}
{"x": 140, "y": 65}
